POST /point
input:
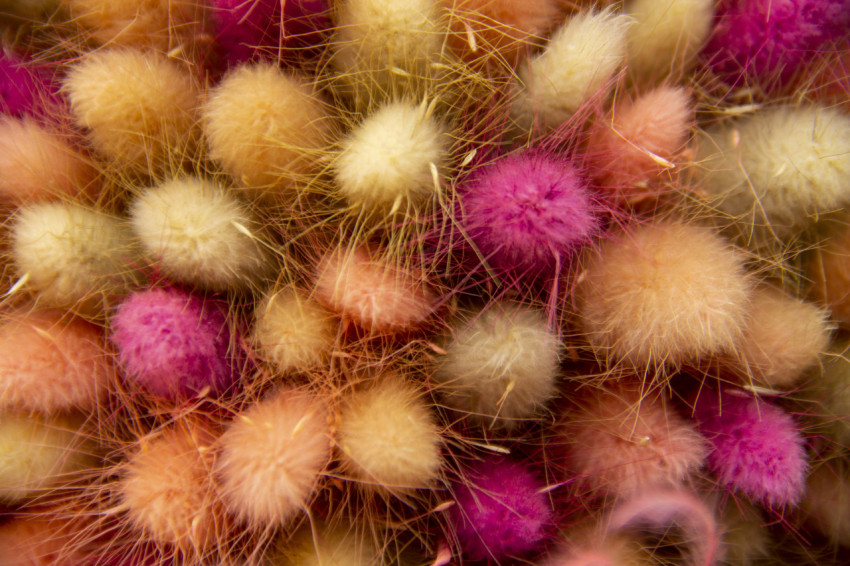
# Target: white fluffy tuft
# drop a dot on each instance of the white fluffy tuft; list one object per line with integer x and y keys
{"x": 386, "y": 162}
{"x": 779, "y": 168}
{"x": 388, "y": 439}
{"x": 501, "y": 364}
{"x": 580, "y": 61}
{"x": 200, "y": 234}
{"x": 71, "y": 256}
{"x": 294, "y": 331}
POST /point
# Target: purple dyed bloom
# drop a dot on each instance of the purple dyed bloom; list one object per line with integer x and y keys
{"x": 173, "y": 344}
{"x": 501, "y": 511}
{"x": 23, "y": 91}
{"x": 755, "y": 448}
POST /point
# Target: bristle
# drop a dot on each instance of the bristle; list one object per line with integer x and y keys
{"x": 294, "y": 331}
{"x": 173, "y": 344}
{"x": 243, "y": 30}
{"x": 37, "y": 163}
{"x": 199, "y": 233}
{"x": 166, "y": 487}
{"x": 139, "y": 108}
{"x": 385, "y": 163}
{"x": 500, "y": 511}
{"x": 829, "y": 272}
{"x": 373, "y": 293}
{"x": 500, "y": 364}
{"x": 266, "y": 129}
{"x": 579, "y": 62}
{"x": 38, "y": 453}
{"x": 388, "y": 439}
{"x": 51, "y": 362}
{"x": 24, "y": 90}
{"x": 664, "y": 293}
{"x": 39, "y": 541}
{"x": 529, "y": 213}
{"x": 271, "y": 457}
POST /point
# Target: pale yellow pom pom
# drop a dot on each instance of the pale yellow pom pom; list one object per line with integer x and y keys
{"x": 294, "y": 331}
{"x": 388, "y": 439}
{"x": 139, "y": 107}
{"x": 267, "y": 130}
{"x": 199, "y": 233}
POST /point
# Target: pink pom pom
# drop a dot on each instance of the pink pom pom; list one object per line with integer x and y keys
{"x": 501, "y": 511}
{"x": 243, "y": 28}
{"x": 173, "y": 344}
{"x": 756, "y": 448}
{"x": 528, "y": 212}
{"x": 771, "y": 40}
{"x": 23, "y": 91}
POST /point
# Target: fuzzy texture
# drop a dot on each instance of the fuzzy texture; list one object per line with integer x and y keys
{"x": 173, "y": 344}
{"x": 500, "y": 363}
{"x": 375, "y": 37}
{"x": 71, "y": 256}
{"x": 755, "y": 448}
{"x": 294, "y": 331}
{"x": 267, "y": 130}
{"x": 500, "y": 30}
{"x": 667, "y": 36}
{"x": 665, "y": 293}
{"x": 388, "y": 439}
{"x": 139, "y": 108}
{"x": 38, "y": 453}
{"x": 829, "y": 272}
{"x": 588, "y": 547}
{"x": 778, "y": 169}
{"x": 622, "y": 444}
{"x": 167, "y": 490}
{"x": 24, "y": 89}
{"x": 640, "y": 138}
{"x": 271, "y": 458}
{"x": 385, "y": 163}
{"x": 51, "y": 362}
{"x": 38, "y": 163}
{"x": 578, "y": 64}
{"x": 769, "y": 41}
{"x": 529, "y": 213}
{"x": 500, "y": 511}
{"x": 373, "y": 293}
{"x": 783, "y": 337}
{"x": 199, "y": 233}
{"x": 243, "y": 29}
{"x": 322, "y": 545}
{"x": 154, "y": 25}
{"x": 827, "y": 501}
{"x": 44, "y": 539}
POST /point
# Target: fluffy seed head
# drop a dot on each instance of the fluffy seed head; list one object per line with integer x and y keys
{"x": 388, "y": 439}
{"x": 39, "y": 540}
{"x": 770, "y": 41}
{"x": 173, "y": 344}
{"x": 266, "y": 130}
{"x": 622, "y": 444}
{"x": 51, "y": 362}
{"x": 271, "y": 457}
{"x": 243, "y": 29}
{"x": 663, "y": 294}
{"x": 667, "y": 36}
{"x": 71, "y": 256}
{"x": 167, "y": 488}
{"x": 199, "y": 233}
{"x": 326, "y": 546}
{"x": 139, "y": 108}
{"x": 755, "y": 448}
{"x": 529, "y": 212}
{"x": 501, "y": 511}
{"x": 579, "y": 62}
{"x": 40, "y": 164}
{"x": 779, "y": 168}
{"x": 501, "y": 363}
{"x": 294, "y": 331}
{"x": 783, "y": 337}
{"x": 372, "y": 293}
{"x": 386, "y": 162}
{"x": 640, "y": 138}
{"x": 23, "y": 90}
{"x": 37, "y": 453}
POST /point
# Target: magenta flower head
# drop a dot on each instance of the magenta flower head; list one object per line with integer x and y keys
{"x": 529, "y": 211}
{"x": 173, "y": 344}
{"x": 501, "y": 511}
{"x": 755, "y": 447}
{"x": 23, "y": 90}
{"x": 769, "y": 41}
